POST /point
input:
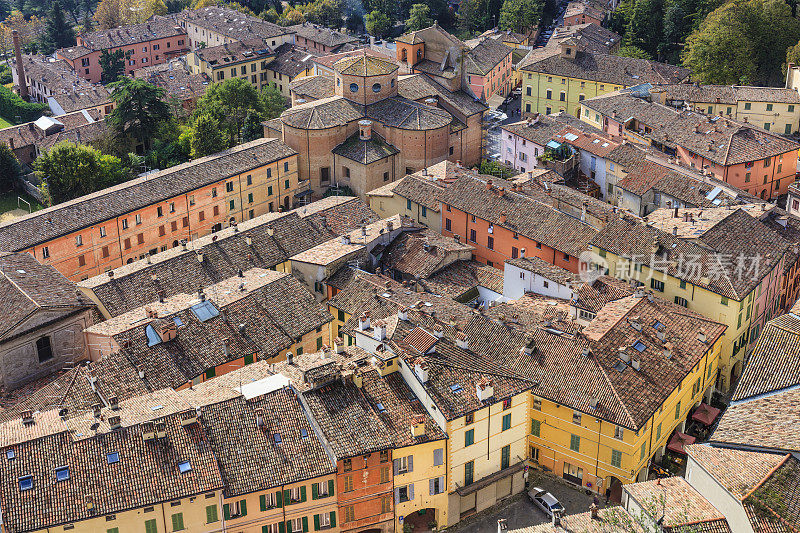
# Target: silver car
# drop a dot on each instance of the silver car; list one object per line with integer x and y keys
{"x": 545, "y": 501}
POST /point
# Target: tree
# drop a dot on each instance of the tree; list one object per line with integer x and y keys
{"x": 742, "y": 42}
{"x": 114, "y": 13}
{"x": 793, "y": 55}
{"x": 57, "y": 32}
{"x": 273, "y": 103}
{"x": 9, "y": 167}
{"x": 252, "y": 128}
{"x": 140, "y": 108}
{"x": 521, "y": 15}
{"x": 377, "y": 23}
{"x": 633, "y": 51}
{"x": 229, "y": 102}
{"x": 112, "y": 65}
{"x": 645, "y": 28}
{"x": 29, "y": 31}
{"x": 87, "y": 25}
{"x": 474, "y": 17}
{"x": 207, "y": 136}
{"x": 419, "y": 17}
{"x": 69, "y": 170}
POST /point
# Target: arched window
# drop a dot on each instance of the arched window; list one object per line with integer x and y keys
{"x": 405, "y": 54}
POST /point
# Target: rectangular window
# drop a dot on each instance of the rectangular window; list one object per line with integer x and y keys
{"x": 682, "y": 301}
{"x": 619, "y": 433}
{"x": 44, "y": 349}
{"x": 678, "y": 411}
{"x": 472, "y": 235}
{"x": 78, "y": 240}
{"x": 150, "y": 526}
{"x": 448, "y": 225}
{"x": 576, "y": 418}
{"x": 657, "y": 285}
{"x": 658, "y": 432}
{"x": 490, "y": 243}
{"x": 469, "y": 437}
{"x": 177, "y": 522}
{"x": 747, "y": 106}
{"x": 349, "y": 514}
{"x": 469, "y": 472}
{"x": 505, "y": 456}
{"x": 575, "y": 443}
{"x": 506, "y": 422}
{"x": 769, "y": 107}
{"x": 616, "y": 458}
{"x": 348, "y": 483}
{"x": 536, "y": 428}
{"x": 211, "y": 514}
{"x": 45, "y": 252}
{"x": 138, "y": 219}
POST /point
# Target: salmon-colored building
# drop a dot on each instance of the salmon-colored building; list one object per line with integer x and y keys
{"x": 503, "y": 223}
{"x": 489, "y": 69}
{"x": 103, "y": 230}
{"x": 146, "y": 44}
{"x": 753, "y": 159}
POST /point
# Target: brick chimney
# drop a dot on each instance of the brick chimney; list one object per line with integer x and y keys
{"x": 23, "y": 87}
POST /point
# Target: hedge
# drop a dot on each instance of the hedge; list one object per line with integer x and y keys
{"x": 12, "y": 106}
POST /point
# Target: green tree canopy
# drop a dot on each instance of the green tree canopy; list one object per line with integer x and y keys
{"x": 57, "y": 32}
{"x": 140, "y": 109}
{"x": 520, "y": 15}
{"x": 9, "y": 167}
{"x": 633, "y": 51}
{"x": 112, "y": 65}
{"x": 273, "y": 102}
{"x": 645, "y": 28}
{"x": 419, "y": 17}
{"x": 377, "y": 23}
{"x": 229, "y": 103}
{"x": 69, "y": 170}
{"x": 742, "y": 42}
{"x": 207, "y": 136}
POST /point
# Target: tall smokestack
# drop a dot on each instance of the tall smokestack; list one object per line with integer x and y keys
{"x": 23, "y": 87}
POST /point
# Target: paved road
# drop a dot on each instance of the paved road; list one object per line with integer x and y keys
{"x": 519, "y": 512}
{"x": 493, "y": 136}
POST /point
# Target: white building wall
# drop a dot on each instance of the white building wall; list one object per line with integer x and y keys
{"x": 518, "y": 281}
{"x": 720, "y": 498}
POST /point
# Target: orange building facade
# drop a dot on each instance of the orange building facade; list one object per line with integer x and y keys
{"x": 365, "y": 489}
{"x": 259, "y": 186}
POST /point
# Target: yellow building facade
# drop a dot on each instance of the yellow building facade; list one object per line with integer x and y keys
{"x": 428, "y": 477}
{"x": 545, "y": 93}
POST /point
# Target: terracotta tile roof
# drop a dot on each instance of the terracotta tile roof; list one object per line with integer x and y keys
{"x": 291, "y": 61}
{"x": 421, "y": 190}
{"x": 774, "y": 506}
{"x": 69, "y": 91}
{"x": 543, "y": 268}
{"x": 595, "y": 295}
{"x": 376, "y": 416}
{"x": 420, "y": 254}
{"x": 284, "y": 449}
{"x": 419, "y": 87}
{"x": 85, "y": 211}
{"x": 175, "y": 78}
{"x": 738, "y": 471}
{"x": 338, "y": 215}
{"x": 178, "y": 271}
{"x": 322, "y": 35}
{"x": 156, "y": 28}
{"x": 486, "y": 56}
{"x": 610, "y": 519}
{"x": 683, "y": 506}
{"x": 726, "y": 94}
{"x": 365, "y": 152}
{"x": 364, "y": 65}
{"x": 420, "y": 340}
{"x": 738, "y": 233}
{"x": 145, "y": 473}
{"x": 316, "y": 87}
{"x": 231, "y": 23}
{"x": 323, "y": 114}
{"x": 329, "y": 60}
{"x": 30, "y": 134}
{"x": 590, "y": 37}
{"x": 774, "y": 363}
{"x": 584, "y": 7}
{"x": 461, "y": 277}
{"x": 28, "y": 287}
{"x": 434, "y": 32}
{"x": 524, "y": 215}
{"x": 718, "y": 139}
{"x": 768, "y": 423}
{"x": 611, "y": 69}
{"x": 275, "y": 309}
{"x": 73, "y": 52}
{"x": 405, "y": 114}
{"x": 235, "y": 52}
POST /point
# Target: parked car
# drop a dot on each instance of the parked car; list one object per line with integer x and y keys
{"x": 545, "y": 501}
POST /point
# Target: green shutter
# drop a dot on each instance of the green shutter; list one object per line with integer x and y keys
{"x": 226, "y": 511}
{"x": 536, "y": 428}
{"x": 211, "y": 514}
{"x": 211, "y": 372}
{"x": 177, "y": 522}
{"x": 113, "y": 530}
{"x": 150, "y": 526}
{"x": 287, "y": 498}
{"x": 289, "y": 526}
{"x": 314, "y": 492}
{"x": 303, "y": 493}
{"x": 330, "y": 487}
{"x": 243, "y": 507}
{"x": 264, "y": 529}
{"x": 316, "y": 522}
{"x": 333, "y": 517}
{"x": 305, "y": 524}
{"x": 281, "y": 527}
{"x": 262, "y": 501}
{"x": 279, "y": 499}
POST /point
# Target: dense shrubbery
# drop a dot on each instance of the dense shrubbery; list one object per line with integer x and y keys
{"x": 15, "y": 108}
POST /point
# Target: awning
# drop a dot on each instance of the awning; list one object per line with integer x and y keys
{"x": 678, "y": 441}
{"x": 495, "y": 101}
{"x": 705, "y": 414}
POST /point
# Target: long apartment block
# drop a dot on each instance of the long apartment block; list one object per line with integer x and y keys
{"x": 153, "y": 212}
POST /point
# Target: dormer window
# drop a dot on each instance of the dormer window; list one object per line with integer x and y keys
{"x": 62, "y": 473}
{"x": 26, "y": 483}
{"x": 184, "y": 466}
{"x": 112, "y": 458}
{"x": 10, "y": 454}
{"x": 569, "y": 51}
